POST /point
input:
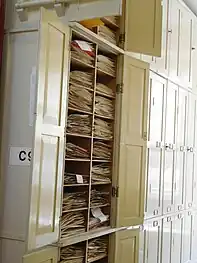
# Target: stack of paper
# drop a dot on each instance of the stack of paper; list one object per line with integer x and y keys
{"x": 103, "y": 129}
{"x": 74, "y": 201}
{"x": 101, "y": 150}
{"x": 101, "y": 173}
{"x": 104, "y": 106}
{"x": 83, "y": 51}
{"x": 98, "y": 218}
{"x": 97, "y": 248}
{"x": 81, "y": 79}
{"x": 104, "y": 89}
{"x": 112, "y": 19}
{"x": 107, "y": 34}
{"x": 72, "y": 254}
{"x": 99, "y": 198}
{"x": 79, "y": 98}
{"x": 75, "y": 151}
{"x": 78, "y": 123}
{"x": 70, "y": 178}
{"x": 106, "y": 64}
{"x": 72, "y": 223}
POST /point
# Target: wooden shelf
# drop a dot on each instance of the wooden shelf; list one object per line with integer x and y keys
{"x": 104, "y": 73}
{"x": 97, "y": 259}
{"x": 80, "y": 111}
{"x": 75, "y": 210}
{"x": 99, "y": 206}
{"x": 103, "y": 117}
{"x": 77, "y": 160}
{"x": 101, "y": 161}
{"x": 78, "y": 63}
{"x": 105, "y": 95}
{"x": 78, "y": 135}
{"x": 75, "y": 185}
{"x": 109, "y": 23}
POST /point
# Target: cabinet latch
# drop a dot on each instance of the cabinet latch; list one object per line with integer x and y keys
{"x": 122, "y": 38}
{"x": 119, "y": 88}
{"x": 115, "y": 191}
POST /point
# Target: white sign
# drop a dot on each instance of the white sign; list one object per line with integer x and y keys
{"x": 20, "y": 156}
{"x": 79, "y": 179}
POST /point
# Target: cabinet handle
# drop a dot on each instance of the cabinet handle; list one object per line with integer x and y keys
{"x": 167, "y": 146}
{"x": 189, "y": 213}
{"x": 179, "y": 207}
{"x": 155, "y": 223}
{"x": 169, "y": 219}
{"x": 179, "y": 216}
{"x": 193, "y": 48}
{"x": 155, "y": 212}
{"x": 170, "y": 31}
{"x": 181, "y": 148}
{"x": 169, "y": 209}
{"x": 190, "y": 149}
{"x": 158, "y": 144}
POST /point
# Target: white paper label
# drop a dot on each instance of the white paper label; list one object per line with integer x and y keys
{"x": 20, "y": 156}
{"x": 97, "y": 213}
{"x": 84, "y": 45}
{"x": 32, "y": 96}
{"x": 79, "y": 178}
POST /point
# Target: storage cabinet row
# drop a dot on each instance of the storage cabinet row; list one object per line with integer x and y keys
{"x": 171, "y": 160}
{"x": 172, "y": 239}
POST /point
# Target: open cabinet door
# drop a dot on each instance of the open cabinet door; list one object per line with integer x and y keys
{"x": 48, "y": 255}
{"x": 143, "y": 26}
{"x": 48, "y": 151}
{"x": 133, "y": 142}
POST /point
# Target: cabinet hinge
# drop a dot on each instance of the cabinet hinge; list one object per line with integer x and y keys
{"x": 119, "y": 88}
{"x": 122, "y": 38}
{"x": 115, "y": 191}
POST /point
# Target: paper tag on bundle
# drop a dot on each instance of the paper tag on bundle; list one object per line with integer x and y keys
{"x": 84, "y": 45}
{"x": 97, "y": 213}
{"x": 79, "y": 178}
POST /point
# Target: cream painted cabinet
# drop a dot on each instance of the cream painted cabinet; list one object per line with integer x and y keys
{"x": 174, "y": 47}
{"x": 181, "y": 149}
{"x": 187, "y": 237}
{"x": 184, "y": 61}
{"x": 153, "y": 241}
{"x": 143, "y": 32}
{"x": 47, "y": 255}
{"x": 127, "y": 246}
{"x": 169, "y": 155}
{"x": 157, "y": 98}
{"x": 191, "y": 137}
{"x": 166, "y": 239}
{"x": 133, "y": 143}
{"x": 194, "y": 237}
{"x": 177, "y": 230}
{"x": 194, "y": 55}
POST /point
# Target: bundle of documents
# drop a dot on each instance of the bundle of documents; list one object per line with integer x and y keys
{"x": 78, "y": 123}
{"x": 99, "y": 198}
{"x": 106, "y": 64}
{"x": 74, "y": 151}
{"x": 97, "y": 248}
{"x": 104, "y": 106}
{"x": 107, "y": 33}
{"x": 70, "y": 178}
{"x": 83, "y": 51}
{"x": 103, "y": 129}
{"x": 101, "y": 173}
{"x": 74, "y": 201}
{"x": 81, "y": 79}
{"x": 104, "y": 89}
{"x": 72, "y": 254}
{"x": 80, "y": 99}
{"x": 98, "y": 218}
{"x": 101, "y": 150}
{"x": 72, "y": 223}
{"x": 112, "y": 19}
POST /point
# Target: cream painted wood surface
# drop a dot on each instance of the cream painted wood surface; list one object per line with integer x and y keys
{"x": 194, "y": 236}
{"x": 177, "y": 230}
{"x": 127, "y": 246}
{"x": 133, "y": 143}
{"x": 181, "y": 151}
{"x": 48, "y": 154}
{"x": 47, "y": 255}
{"x": 194, "y": 55}
{"x": 166, "y": 239}
{"x": 143, "y": 26}
{"x": 170, "y": 149}
{"x": 157, "y": 106}
{"x": 187, "y": 237}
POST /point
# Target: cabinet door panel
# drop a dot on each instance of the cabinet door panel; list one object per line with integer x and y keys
{"x": 143, "y": 35}
{"x": 48, "y": 152}
{"x": 194, "y": 236}
{"x": 185, "y": 46}
{"x": 194, "y": 56}
{"x": 166, "y": 240}
{"x": 153, "y": 242}
{"x": 177, "y": 238}
{"x": 48, "y": 255}
{"x": 174, "y": 38}
{"x": 189, "y": 180}
{"x": 187, "y": 234}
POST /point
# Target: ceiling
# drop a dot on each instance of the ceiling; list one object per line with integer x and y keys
{"x": 192, "y": 4}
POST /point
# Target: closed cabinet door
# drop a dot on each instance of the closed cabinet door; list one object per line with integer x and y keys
{"x": 177, "y": 230}
{"x": 174, "y": 38}
{"x": 187, "y": 237}
{"x": 194, "y": 237}
{"x": 185, "y": 46}
{"x": 194, "y": 55}
{"x": 153, "y": 240}
{"x": 155, "y": 143}
{"x": 181, "y": 150}
{"x": 170, "y": 151}
{"x": 46, "y": 255}
{"x": 142, "y": 245}
{"x": 166, "y": 240}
